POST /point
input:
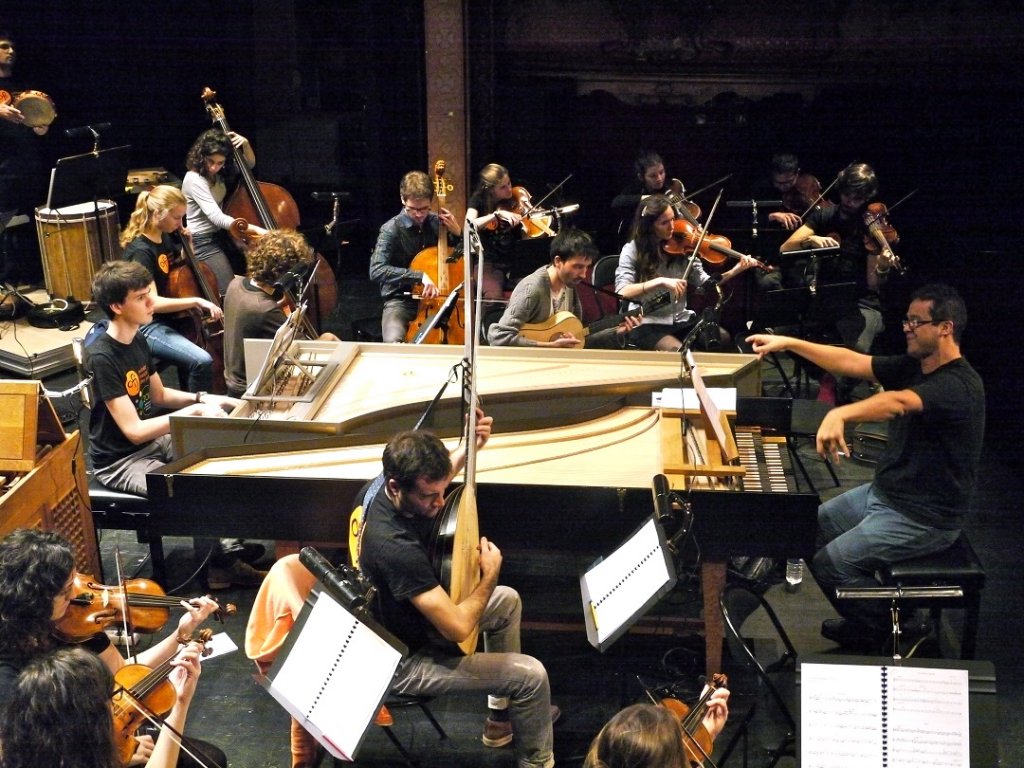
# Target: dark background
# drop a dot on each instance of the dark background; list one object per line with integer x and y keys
{"x": 332, "y": 96}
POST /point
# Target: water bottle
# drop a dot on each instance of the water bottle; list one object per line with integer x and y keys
{"x": 794, "y": 574}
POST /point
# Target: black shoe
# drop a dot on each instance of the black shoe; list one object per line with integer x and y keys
{"x": 851, "y": 635}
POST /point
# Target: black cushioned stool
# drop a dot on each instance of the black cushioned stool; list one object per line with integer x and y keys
{"x": 126, "y": 512}
{"x": 957, "y": 566}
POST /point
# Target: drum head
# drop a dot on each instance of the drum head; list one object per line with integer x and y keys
{"x": 37, "y": 108}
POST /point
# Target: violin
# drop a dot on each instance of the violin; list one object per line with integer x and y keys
{"x": 696, "y": 740}
{"x": 95, "y": 607}
{"x": 141, "y": 693}
{"x": 680, "y": 203}
{"x": 713, "y": 249}
{"x": 805, "y": 195}
{"x": 881, "y": 235}
{"x": 536, "y": 222}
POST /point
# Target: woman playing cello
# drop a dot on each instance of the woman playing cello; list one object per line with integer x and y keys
{"x": 415, "y": 228}
{"x": 205, "y": 189}
{"x": 149, "y": 239}
{"x": 645, "y": 270}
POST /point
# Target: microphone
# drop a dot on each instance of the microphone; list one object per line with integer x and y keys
{"x": 87, "y": 130}
{"x": 339, "y": 587}
{"x": 662, "y": 497}
{"x": 321, "y": 196}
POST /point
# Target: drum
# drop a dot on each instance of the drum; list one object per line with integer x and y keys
{"x": 73, "y": 243}
{"x": 37, "y": 108}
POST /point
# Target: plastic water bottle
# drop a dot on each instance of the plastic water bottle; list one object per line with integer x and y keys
{"x": 794, "y": 574}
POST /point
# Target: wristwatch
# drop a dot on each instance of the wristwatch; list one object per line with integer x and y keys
{"x": 199, "y": 396}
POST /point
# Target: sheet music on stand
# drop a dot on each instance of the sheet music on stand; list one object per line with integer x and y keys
{"x": 622, "y": 587}
{"x": 887, "y": 715}
{"x": 333, "y": 673}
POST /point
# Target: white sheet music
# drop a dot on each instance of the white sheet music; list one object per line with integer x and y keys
{"x": 852, "y": 716}
{"x": 626, "y": 580}
{"x": 334, "y": 677}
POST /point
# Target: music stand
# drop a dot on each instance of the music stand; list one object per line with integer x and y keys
{"x": 91, "y": 176}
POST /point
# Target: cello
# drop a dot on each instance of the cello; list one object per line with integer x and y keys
{"x": 444, "y": 269}
{"x": 189, "y": 277}
{"x": 271, "y": 207}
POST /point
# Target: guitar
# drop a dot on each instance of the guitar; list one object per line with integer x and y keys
{"x": 563, "y": 323}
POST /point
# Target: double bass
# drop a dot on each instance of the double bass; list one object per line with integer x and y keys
{"x": 444, "y": 268}
{"x": 271, "y": 207}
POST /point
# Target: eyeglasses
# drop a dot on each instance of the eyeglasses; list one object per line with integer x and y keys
{"x": 913, "y": 323}
{"x": 424, "y": 209}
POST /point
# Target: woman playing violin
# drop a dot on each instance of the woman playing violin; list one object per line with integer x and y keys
{"x": 651, "y": 736}
{"x": 844, "y": 226}
{"x": 37, "y": 577}
{"x": 60, "y": 713}
{"x": 645, "y": 270}
{"x": 204, "y": 188}
{"x": 650, "y": 178}
{"x": 149, "y": 240}
{"x": 493, "y": 194}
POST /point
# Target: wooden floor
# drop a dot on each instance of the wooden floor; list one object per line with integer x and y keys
{"x": 233, "y": 712}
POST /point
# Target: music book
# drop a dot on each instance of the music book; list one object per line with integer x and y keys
{"x": 621, "y": 588}
{"x": 889, "y": 716}
{"x": 333, "y": 673}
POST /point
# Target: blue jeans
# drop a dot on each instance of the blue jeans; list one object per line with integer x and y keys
{"x": 858, "y": 533}
{"x": 170, "y": 346}
{"x": 500, "y": 671}
{"x": 208, "y": 250}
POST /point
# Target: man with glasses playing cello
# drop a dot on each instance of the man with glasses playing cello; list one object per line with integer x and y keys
{"x": 934, "y": 402}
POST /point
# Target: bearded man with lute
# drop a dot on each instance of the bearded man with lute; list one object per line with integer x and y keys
{"x": 399, "y": 510}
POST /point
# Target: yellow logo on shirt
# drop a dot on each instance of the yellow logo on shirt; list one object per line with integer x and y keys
{"x": 132, "y": 383}
{"x": 164, "y": 263}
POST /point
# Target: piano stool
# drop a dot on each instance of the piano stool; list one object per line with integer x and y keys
{"x": 956, "y": 566}
{"x": 126, "y": 512}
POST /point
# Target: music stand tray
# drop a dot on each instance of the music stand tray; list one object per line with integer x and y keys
{"x": 91, "y": 176}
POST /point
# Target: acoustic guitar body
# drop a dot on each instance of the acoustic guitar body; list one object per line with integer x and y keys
{"x": 555, "y": 327}
{"x": 455, "y": 555}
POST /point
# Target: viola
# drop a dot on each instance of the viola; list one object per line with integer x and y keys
{"x": 805, "y": 195}
{"x": 881, "y": 235}
{"x": 696, "y": 740}
{"x": 141, "y": 692}
{"x": 713, "y": 249}
{"x": 683, "y": 207}
{"x": 95, "y": 607}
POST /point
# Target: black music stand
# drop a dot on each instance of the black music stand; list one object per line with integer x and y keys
{"x": 92, "y": 176}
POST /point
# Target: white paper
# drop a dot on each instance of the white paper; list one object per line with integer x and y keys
{"x": 853, "y": 716}
{"x": 686, "y": 399}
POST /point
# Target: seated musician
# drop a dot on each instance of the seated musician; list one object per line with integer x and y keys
{"x": 37, "y": 577}
{"x": 651, "y": 736}
{"x": 493, "y": 194}
{"x": 646, "y": 270}
{"x": 149, "y": 240}
{"x": 251, "y": 312}
{"x": 915, "y": 506}
{"x": 399, "y": 509}
{"x": 650, "y": 178}
{"x": 782, "y": 182}
{"x": 414, "y": 229}
{"x": 843, "y": 225}
{"x": 552, "y": 289}
{"x": 127, "y": 438}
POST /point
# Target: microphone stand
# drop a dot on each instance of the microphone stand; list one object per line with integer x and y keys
{"x": 440, "y": 317}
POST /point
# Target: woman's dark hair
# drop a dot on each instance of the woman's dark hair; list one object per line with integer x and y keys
{"x": 648, "y": 244}
{"x": 34, "y": 568}
{"x": 211, "y": 142}
{"x": 59, "y": 714}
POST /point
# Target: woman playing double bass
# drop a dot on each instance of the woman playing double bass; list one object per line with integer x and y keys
{"x": 415, "y": 228}
{"x": 204, "y": 187}
{"x": 150, "y": 240}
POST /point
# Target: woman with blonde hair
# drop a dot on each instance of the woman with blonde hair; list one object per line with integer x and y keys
{"x": 152, "y": 239}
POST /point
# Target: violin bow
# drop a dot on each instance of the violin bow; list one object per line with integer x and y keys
{"x": 703, "y": 233}
{"x": 818, "y": 199}
{"x": 552, "y": 191}
{"x": 707, "y": 186}
{"x": 122, "y": 586}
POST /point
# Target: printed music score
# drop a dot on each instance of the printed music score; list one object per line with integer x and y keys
{"x": 895, "y": 717}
